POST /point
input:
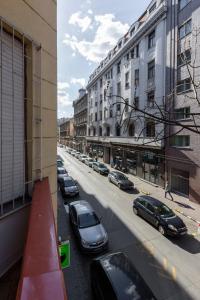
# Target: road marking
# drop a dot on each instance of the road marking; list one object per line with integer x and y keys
{"x": 174, "y": 273}
{"x": 165, "y": 263}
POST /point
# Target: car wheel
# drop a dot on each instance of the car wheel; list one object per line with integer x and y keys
{"x": 161, "y": 229}
{"x": 135, "y": 210}
{"x": 119, "y": 185}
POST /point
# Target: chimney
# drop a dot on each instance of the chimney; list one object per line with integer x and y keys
{"x": 81, "y": 92}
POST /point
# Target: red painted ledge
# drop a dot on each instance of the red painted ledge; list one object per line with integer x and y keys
{"x": 41, "y": 276}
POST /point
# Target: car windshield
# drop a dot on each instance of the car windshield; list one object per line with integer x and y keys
{"x": 121, "y": 177}
{"x": 69, "y": 183}
{"x": 102, "y": 166}
{"x": 90, "y": 159}
{"x": 87, "y": 220}
{"x": 61, "y": 171}
{"x": 164, "y": 211}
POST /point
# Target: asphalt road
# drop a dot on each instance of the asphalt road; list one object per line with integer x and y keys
{"x": 170, "y": 266}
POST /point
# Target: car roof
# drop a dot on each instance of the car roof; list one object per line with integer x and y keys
{"x": 127, "y": 283}
{"x": 66, "y": 178}
{"x": 117, "y": 173}
{"x": 81, "y": 206}
{"x": 61, "y": 168}
{"x": 151, "y": 200}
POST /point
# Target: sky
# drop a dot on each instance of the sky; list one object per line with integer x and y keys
{"x": 87, "y": 30}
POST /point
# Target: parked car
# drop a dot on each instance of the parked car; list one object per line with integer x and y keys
{"x": 61, "y": 172}
{"x": 68, "y": 186}
{"x": 114, "y": 277}
{"x": 89, "y": 162}
{"x": 77, "y": 154}
{"x": 159, "y": 215}
{"x": 91, "y": 234}
{"x": 59, "y": 163}
{"x": 82, "y": 157}
{"x": 73, "y": 152}
{"x": 120, "y": 180}
{"x": 100, "y": 168}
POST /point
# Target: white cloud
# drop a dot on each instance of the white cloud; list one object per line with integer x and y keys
{"x": 63, "y": 85}
{"x": 73, "y": 54}
{"x": 107, "y": 34}
{"x": 80, "y": 81}
{"x": 82, "y": 22}
{"x": 89, "y": 2}
{"x": 90, "y": 12}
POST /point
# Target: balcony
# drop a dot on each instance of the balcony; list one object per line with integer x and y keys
{"x": 41, "y": 276}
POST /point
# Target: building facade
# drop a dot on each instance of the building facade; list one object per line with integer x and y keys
{"x": 182, "y": 78}
{"x": 132, "y": 75}
{"x": 80, "y": 121}
{"x": 67, "y": 133}
{"x": 28, "y": 72}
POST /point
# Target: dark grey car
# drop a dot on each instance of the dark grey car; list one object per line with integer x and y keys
{"x": 100, "y": 168}
{"x": 159, "y": 215}
{"x": 68, "y": 186}
{"x": 87, "y": 227}
{"x": 120, "y": 180}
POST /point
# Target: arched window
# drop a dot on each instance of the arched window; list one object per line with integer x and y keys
{"x": 118, "y": 130}
{"x": 131, "y": 130}
{"x": 150, "y": 129}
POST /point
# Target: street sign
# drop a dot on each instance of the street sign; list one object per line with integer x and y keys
{"x": 64, "y": 252}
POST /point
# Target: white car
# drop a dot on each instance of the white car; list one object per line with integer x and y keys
{"x": 82, "y": 157}
{"x": 77, "y": 154}
{"x": 89, "y": 162}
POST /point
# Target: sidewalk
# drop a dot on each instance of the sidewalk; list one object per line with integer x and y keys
{"x": 180, "y": 204}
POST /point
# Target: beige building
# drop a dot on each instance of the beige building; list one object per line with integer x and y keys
{"x": 28, "y": 127}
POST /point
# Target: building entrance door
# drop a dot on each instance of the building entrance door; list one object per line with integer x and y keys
{"x": 180, "y": 181}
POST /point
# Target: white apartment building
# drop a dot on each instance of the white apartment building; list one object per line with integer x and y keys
{"x": 133, "y": 73}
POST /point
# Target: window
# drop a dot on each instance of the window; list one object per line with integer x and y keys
{"x": 185, "y": 29}
{"x": 150, "y": 207}
{"x": 107, "y": 131}
{"x": 104, "y": 94}
{"x": 183, "y": 3}
{"x": 119, "y": 88}
{"x": 100, "y": 131}
{"x": 100, "y": 115}
{"x": 136, "y": 77}
{"x": 127, "y": 80}
{"x": 137, "y": 50}
{"x": 126, "y": 105}
{"x": 118, "y": 130}
{"x": 180, "y": 141}
{"x": 118, "y": 107}
{"x": 94, "y": 131}
{"x": 132, "y": 31}
{"x": 150, "y": 129}
{"x": 184, "y": 58}
{"x": 101, "y": 82}
{"x": 111, "y": 113}
{"x": 95, "y": 116}
{"x": 133, "y": 53}
{"x": 95, "y": 103}
{"x": 120, "y": 44}
{"x": 89, "y": 131}
{"x": 151, "y": 40}
{"x": 101, "y": 97}
{"x": 150, "y": 99}
{"x": 105, "y": 113}
{"x": 119, "y": 67}
{"x": 131, "y": 130}
{"x": 183, "y": 86}
{"x": 182, "y": 113}
{"x": 151, "y": 70}
{"x": 152, "y": 8}
{"x": 127, "y": 56}
{"x": 136, "y": 102}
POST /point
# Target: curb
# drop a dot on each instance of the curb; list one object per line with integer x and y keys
{"x": 182, "y": 213}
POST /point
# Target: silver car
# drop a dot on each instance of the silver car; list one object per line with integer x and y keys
{"x": 89, "y": 162}
{"x": 82, "y": 157}
{"x": 87, "y": 227}
{"x": 61, "y": 172}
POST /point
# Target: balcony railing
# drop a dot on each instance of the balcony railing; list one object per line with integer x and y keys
{"x": 41, "y": 275}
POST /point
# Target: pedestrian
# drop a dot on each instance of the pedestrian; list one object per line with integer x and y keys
{"x": 167, "y": 190}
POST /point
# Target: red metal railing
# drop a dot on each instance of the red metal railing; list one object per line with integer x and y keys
{"x": 41, "y": 276}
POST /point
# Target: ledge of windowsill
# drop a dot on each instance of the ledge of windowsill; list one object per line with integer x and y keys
{"x": 182, "y": 147}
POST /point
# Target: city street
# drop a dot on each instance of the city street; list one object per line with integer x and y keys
{"x": 170, "y": 266}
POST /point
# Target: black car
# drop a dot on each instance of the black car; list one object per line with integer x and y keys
{"x": 113, "y": 277}
{"x": 68, "y": 186}
{"x": 120, "y": 180}
{"x": 159, "y": 215}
